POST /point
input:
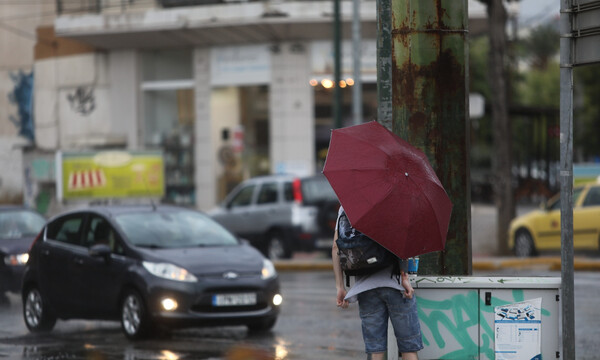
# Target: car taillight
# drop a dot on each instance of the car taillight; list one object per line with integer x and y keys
{"x": 297, "y": 188}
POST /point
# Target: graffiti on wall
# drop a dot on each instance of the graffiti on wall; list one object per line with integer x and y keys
{"x": 453, "y": 321}
{"x": 22, "y": 98}
{"x": 82, "y": 100}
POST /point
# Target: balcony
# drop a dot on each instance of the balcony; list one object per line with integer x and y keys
{"x": 146, "y": 24}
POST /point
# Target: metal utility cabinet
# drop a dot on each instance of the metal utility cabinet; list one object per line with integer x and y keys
{"x": 457, "y": 314}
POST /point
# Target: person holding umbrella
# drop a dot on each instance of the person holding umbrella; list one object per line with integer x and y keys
{"x": 390, "y": 193}
{"x": 381, "y": 297}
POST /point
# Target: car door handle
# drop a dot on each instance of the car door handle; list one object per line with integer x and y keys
{"x": 45, "y": 252}
{"x": 78, "y": 261}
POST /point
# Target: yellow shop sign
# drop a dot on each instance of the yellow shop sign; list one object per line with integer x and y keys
{"x": 111, "y": 174}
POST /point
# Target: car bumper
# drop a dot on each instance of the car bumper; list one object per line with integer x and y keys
{"x": 195, "y": 305}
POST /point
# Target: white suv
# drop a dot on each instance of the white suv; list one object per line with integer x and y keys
{"x": 280, "y": 214}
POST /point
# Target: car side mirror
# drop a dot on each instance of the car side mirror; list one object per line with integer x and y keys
{"x": 100, "y": 250}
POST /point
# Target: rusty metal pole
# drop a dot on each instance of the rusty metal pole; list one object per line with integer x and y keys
{"x": 430, "y": 110}
{"x": 384, "y": 63}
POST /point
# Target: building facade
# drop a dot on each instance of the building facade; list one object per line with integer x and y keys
{"x": 226, "y": 90}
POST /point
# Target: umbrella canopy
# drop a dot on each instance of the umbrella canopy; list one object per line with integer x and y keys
{"x": 388, "y": 189}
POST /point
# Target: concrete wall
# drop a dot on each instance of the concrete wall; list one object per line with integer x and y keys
{"x": 17, "y": 40}
{"x": 291, "y": 104}
{"x": 72, "y": 107}
{"x": 124, "y": 79}
{"x": 205, "y": 162}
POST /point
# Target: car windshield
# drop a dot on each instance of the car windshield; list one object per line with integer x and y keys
{"x": 20, "y": 223}
{"x": 554, "y": 203}
{"x": 317, "y": 189}
{"x": 174, "y": 229}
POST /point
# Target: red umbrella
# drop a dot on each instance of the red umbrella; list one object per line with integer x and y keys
{"x": 388, "y": 189}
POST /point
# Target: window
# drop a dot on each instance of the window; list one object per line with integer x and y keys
{"x": 177, "y": 229}
{"x": 19, "y": 223}
{"x": 556, "y": 205}
{"x": 593, "y": 197}
{"x": 100, "y": 231}
{"x": 161, "y": 65}
{"x": 66, "y": 229}
{"x": 288, "y": 191}
{"x": 169, "y": 115}
{"x": 243, "y": 197}
{"x": 267, "y": 194}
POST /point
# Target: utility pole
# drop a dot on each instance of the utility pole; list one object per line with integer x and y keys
{"x": 384, "y": 63}
{"x": 567, "y": 61}
{"x": 429, "y": 62}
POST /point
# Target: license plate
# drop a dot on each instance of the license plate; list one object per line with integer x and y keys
{"x": 234, "y": 299}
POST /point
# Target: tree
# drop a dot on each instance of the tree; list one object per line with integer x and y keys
{"x": 541, "y": 45}
{"x": 502, "y": 161}
{"x": 587, "y": 112}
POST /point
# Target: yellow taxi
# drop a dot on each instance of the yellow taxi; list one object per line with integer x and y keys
{"x": 540, "y": 229}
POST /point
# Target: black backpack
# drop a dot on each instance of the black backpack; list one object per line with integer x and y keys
{"x": 359, "y": 254}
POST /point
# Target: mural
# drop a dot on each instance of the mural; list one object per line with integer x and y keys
{"x": 22, "y": 98}
{"x": 83, "y": 100}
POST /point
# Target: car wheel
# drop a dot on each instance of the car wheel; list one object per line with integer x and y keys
{"x": 36, "y": 313}
{"x": 135, "y": 321}
{"x": 524, "y": 244}
{"x": 262, "y": 325}
{"x": 276, "y": 247}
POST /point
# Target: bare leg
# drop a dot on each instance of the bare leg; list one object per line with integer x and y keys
{"x": 376, "y": 356}
{"x": 410, "y": 356}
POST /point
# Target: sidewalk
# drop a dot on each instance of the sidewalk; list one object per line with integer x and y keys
{"x": 316, "y": 261}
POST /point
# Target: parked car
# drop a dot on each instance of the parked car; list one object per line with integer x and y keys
{"x": 151, "y": 267}
{"x": 540, "y": 229}
{"x": 18, "y": 228}
{"x": 281, "y": 214}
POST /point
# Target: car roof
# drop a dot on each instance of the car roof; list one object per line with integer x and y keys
{"x": 115, "y": 210}
{"x": 15, "y": 207}
{"x": 284, "y": 177}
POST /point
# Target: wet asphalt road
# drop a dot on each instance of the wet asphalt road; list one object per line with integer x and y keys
{"x": 310, "y": 327}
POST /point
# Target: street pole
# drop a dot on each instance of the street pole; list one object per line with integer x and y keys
{"x": 337, "y": 56}
{"x": 566, "y": 180}
{"x": 356, "y": 65}
{"x": 384, "y": 63}
{"x": 430, "y": 110}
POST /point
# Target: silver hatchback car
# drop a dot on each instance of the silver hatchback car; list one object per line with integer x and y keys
{"x": 281, "y": 214}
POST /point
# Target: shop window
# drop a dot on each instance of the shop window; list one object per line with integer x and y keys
{"x": 167, "y": 65}
{"x": 169, "y": 115}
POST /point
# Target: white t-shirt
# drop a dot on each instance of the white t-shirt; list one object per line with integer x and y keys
{"x": 382, "y": 278}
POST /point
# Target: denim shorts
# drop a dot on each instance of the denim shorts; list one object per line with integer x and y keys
{"x": 379, "y": 304}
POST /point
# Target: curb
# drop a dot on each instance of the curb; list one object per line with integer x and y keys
{"x": 539, "y": 263}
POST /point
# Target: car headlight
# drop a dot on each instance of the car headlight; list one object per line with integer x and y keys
{"x": 268, "y": 270}
{"x": 16, "y": 259}
{"x": 169, "y": 271}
